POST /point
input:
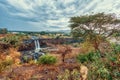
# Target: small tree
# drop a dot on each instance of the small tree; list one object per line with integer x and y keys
{"x": 64, "y": 50}
{"x": 94, "y": 28}
{"x": 3, "y": 30}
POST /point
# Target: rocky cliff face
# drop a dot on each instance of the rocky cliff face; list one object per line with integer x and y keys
{"x": 30, "y": 46}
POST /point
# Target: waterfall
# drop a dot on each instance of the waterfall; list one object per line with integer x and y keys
{"x": 37, "y": 45}
{"x": 38, "y": 50}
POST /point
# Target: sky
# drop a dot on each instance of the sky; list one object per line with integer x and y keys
{"x": 49, "y": 15}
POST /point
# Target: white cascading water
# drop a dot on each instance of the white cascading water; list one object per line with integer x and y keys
{"x": 37, "y": 45}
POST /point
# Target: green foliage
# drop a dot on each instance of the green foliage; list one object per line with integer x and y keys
{"x": 116, "y": 48}
{"x": 3, "y": 30}
{"x": 87, "y": 47}
{"x": 81, "y": 24}
{"x": 47, "y": 59}
{"x": 67, "y": 75}
{"x": 103, "y": 72}
{"x": 116, "y": 34}
{"x": 98, "y": 18}
{"x": 89, "y": 57}
{"x": 90, "y": 27}
{"x": 98, "y": 71}
{"x": 12, "y": 40}
{"x": 64, "y": 76}
{"x": 26, "y": 59}
{"x": 5, "y": 63}
{"x": 75, "y": 74}
{"x": 100, "y": 68}
{"x": 82, "y": 58}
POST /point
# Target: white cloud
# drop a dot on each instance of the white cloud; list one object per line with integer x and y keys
{"x": 23, "y": 5}
{"x": 46, "y": 13}
{"x": 107, "y": 6}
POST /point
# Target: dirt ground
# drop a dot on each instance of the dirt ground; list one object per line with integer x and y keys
{"x": 35, "y": 72}
{"x": 28, "y": 71}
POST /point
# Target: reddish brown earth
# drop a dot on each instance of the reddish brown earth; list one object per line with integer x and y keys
{"x": 40, "y": 72}
{"x": 35, "y": 72}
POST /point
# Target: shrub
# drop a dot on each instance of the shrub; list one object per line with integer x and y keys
{"x": 12, "y": 40}
{"x": 64, "y": 76}
{"x": 87, "y": 47}
{"x": 69, "y": 75}
{"x": 47, "y": 59}
{"x": 116, "y": 48}
{"x": 5, "y": 63}
{"x": 82, "y": 58}
{"x": 91, "y": 56}
{"x": 103, "y": 72}
{"x": 75, "y": 74}
{"x": 102, "y": 68}
{"x": 26, "y": 58}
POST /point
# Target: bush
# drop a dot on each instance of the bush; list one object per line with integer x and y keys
{"x": 116, "y": 48}
{"x": 91, "y": 56}
{"x": 102, "y": 68}
{"x": 69, "y": 75}
{"x": 12, "y": 40}
{"x": 5, "y": 63}
{"x": 47, "y": 59}
{"x": 106, "y": 68}
{"x": 87, "y": 47}
{"x": 103, "y": 72}
{"x": 82, "y": 58}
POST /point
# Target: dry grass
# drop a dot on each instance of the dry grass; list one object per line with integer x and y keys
{"x": 71, "y": 55}
{"x": 58, "y": 56}
{"x": 74, "y": 53}
{"x": 32, "y": 71}
{"x": 15, "y": 55}
{"x": 11, "y": 53}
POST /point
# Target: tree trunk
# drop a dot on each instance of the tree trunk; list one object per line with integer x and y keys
{"x": 63, "y": 57}
{"x": 96, "y": 46}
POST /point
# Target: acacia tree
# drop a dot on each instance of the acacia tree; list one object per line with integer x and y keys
{"x": 94, "y": 28}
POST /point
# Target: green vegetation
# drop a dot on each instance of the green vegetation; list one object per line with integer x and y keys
{"x": 116, "y": 48}
{"x": 87, "y": 47}
{"x": 103, "y": 68}
{"x": 5, "y": 64}
{"x": 12, "y": 40}
{"x": 94, "y": 28}
{"x": 69, "y": 75}
{"x": 3, "y": 30}
{"x": 88, "y": 57}
{"x": 47, "y": 59}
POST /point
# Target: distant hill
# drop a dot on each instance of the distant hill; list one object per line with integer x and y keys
{"x": 64, "y": 31}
